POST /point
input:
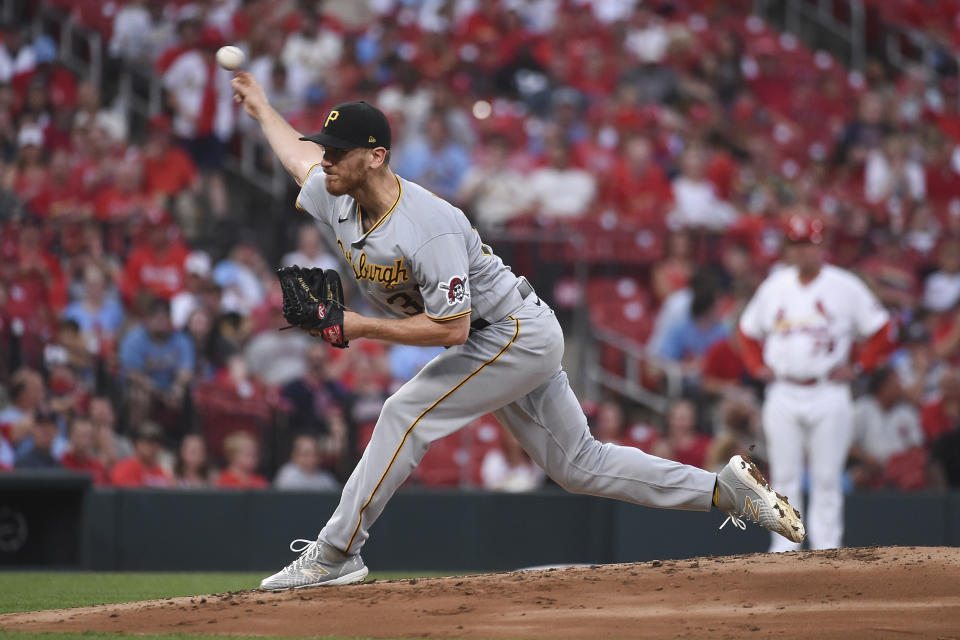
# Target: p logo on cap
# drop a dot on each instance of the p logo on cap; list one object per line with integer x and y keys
{"x": 333, "y": 116}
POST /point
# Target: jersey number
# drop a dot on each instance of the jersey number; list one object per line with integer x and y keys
{"x": 410, "y": 306}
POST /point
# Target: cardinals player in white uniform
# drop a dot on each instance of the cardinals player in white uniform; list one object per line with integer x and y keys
{"x": 798, "y": 332}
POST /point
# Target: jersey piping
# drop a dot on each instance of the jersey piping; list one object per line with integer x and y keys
{"x": 448, "y": 318}
{"x": 384, "y": 216}
{"x": 403, "y": 440}
{"x": 296, "y": 203}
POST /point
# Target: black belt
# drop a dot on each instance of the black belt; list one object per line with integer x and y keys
{"x": 524, "y": 288}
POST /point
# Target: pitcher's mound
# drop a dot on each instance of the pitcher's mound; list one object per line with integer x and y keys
{"x": 850, "y": 593}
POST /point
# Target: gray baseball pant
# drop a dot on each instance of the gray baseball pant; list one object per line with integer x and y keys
{"x": 511, "y": 369}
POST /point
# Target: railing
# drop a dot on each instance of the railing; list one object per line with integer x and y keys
{"x": 904, "y": 47}
{"x": 637, "y": 359}
{"x": 139, "y": 90}
{"x": 588, "y": 376}
{"x": 836, "y": 25}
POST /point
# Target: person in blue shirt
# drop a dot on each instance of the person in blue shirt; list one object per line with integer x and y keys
{"x": 688, "y": 340}
{"x": 435, "y": 161}
{"x": 99, "y": 313}
{"x": 156, "y": 363}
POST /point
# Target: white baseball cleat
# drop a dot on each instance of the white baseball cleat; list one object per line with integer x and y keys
{"x": 744, "y": 493}
{"x": 319, "y": 565}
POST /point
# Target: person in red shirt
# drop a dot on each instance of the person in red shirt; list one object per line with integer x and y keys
{"x": 168, "y": 170}
{"x": 943, "y": 415}
{"x": 639, "y": 189}
{"x": 63, "y": 196}
{"x": 124, "y": 200}
{"x": 157, "y": 265}
{"x": 143, "y": 469}
{"x": 683, "y": 443}
{"x": 243, "y": 456}
{"x": 82, "y": 455}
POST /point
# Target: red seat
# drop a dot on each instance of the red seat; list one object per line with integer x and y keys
{"x": 443, "y": 464}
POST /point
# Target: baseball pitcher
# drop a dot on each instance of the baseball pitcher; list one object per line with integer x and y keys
{"x": 797, "y": 332}
{"x": 422, "y": 265}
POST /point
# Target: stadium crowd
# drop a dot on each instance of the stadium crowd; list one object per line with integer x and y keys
{"x": 674, "y": 136}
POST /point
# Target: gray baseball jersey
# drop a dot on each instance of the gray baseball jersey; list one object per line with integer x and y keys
{"x": 423, "y": 256}
{"x": 408, "y": 262}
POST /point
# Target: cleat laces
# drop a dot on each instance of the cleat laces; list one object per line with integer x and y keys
{"x": 309, "y": 551}
{"x": 737, "y": 522}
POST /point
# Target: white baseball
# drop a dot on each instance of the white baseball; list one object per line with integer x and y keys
{"x": 230, "y": 57}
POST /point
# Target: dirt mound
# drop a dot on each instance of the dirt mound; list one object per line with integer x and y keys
{"x": 849, "y": 593}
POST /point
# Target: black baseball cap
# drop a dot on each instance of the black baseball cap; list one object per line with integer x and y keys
{"x": 351, "y": 125}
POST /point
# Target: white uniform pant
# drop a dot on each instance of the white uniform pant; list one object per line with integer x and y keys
{"x": 812, "y": 425}
{"x": 511, "y": 368}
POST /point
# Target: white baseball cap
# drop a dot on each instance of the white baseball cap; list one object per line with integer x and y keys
{"x": 198, "y": 264}
{"x": 30, "y": 136}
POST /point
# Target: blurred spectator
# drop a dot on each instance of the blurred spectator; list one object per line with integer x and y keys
{"x": 917, "y": 365}
{"x": 435, "y": 161}
{"x": 890, "y": 273}
{"x": 202, "y": 103}
{"x": 192, "y": 467}
{"x": 156, "y": 362}
{"x": 64, "y": 198}
{"x": 110, "y": 445}
{"x": 688, "y": 341}
{"x": 124, "y": 202}
{"x": 941, "y": 289}
{"x": 638, "y": 189}
{"x": 408, "y": 97}
{"x": 673, "y": 272}
{"x": 493, "y": 192}
{"x": 170, "y": 176}
{"x": 198, "y": 270}
{"x": 277, "y": 357}
{"x": 27, "y": 392}
{"x": 311, "y": 52}
{"x": 866, "y": 132}
{"x": 29, "y": 178}
{"x": 143, "y": 468}
{"x": 696, "y": 203}
{"x": 316, "y": 397}
{"x": 738, "y": 431}
{"x": 945, "y": 460}
{"x": 609, "y": 423}
{"x": 98, "y": 313}
{"x": 17, "y": 58}
{"x": 509, "y": 468}
{"x": 310, "y": 251}
{"x": 40, "y": 454}
{"x": 82, "y": 455}
{"x": 891, "y": 173}
{"x": 241, "y": 277}
{"x": 303, "y": 470}
{"x": 682, "y": 441}
{"x": 243, "y": 457}
{"x": 558, "y": 190}
{"x": 155, "y": 266}
{"x": 883, "y": 425}
{"x": 406, "y": 360}
{"x": 106, "y": 126}
{"x": 941, "y": 414}
{"x": 141, "y": 31}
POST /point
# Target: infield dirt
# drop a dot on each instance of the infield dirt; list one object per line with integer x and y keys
{"x": 888, "y": 592}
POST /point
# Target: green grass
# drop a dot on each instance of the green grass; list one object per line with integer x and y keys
{"x": 90, "y": 635}
{"x": 35, "y": 590}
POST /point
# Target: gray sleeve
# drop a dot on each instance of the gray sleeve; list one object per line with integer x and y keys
{"x": 314, "y": 198}
{"x": 441, "y": 267}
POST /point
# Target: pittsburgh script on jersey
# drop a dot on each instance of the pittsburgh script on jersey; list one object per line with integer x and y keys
{"x": 388, "y": 276}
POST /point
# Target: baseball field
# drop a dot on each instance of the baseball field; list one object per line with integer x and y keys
{"x": 874, "y": 592}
